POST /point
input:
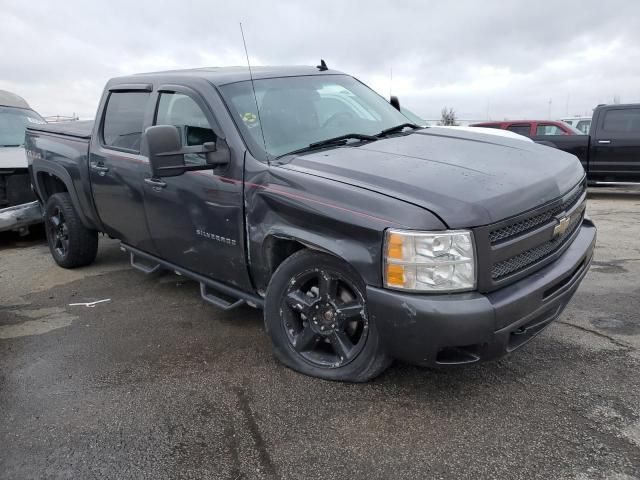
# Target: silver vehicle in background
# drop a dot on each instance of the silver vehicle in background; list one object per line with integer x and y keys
{"x": 581, "y": 123}
{"x": 18, "y": 205}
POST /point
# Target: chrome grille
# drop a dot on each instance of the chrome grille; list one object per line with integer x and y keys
{"x": 528, "y": 224}
{"x": 533, "y": 255}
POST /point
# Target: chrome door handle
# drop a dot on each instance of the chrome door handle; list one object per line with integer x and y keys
{"x": 155, "y": 183}
{"x": 100, "y": 168}
{"x": 604, "y": 142}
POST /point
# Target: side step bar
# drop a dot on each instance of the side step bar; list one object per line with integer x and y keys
{"x": 144, "y": 268}
{"x": 217, "y": 293}
{"x": 217, "y": 300}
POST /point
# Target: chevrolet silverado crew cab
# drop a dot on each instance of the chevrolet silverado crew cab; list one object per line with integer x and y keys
{"x": 362, "y": 236}
{"x": 19, "y": 207}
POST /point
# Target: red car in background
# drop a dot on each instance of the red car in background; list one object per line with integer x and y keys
{"x": 533, "y": 128}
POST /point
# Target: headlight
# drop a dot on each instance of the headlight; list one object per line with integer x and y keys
{"x": 429, "y": 261}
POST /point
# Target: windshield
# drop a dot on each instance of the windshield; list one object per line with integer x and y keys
{"x": 298, "y": 111}
{"x": 413, "y": 117}
{"x": 13, "y": 123}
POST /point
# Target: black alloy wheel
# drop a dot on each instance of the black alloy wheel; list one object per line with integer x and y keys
{"x": 317, "y": 318}
{"x": 58, "y": 232}
{"x": 71, "y": 243}
{"x": 324, "y": 318}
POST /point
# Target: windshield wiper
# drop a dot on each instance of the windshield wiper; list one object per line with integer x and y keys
{"x": 335, "y": 141}
{"x": 397, "y": 129}
{"x": 343, "y": 139}
{"x": 11, "y": 145}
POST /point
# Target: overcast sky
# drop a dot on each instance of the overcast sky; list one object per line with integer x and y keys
{"x": 486, "y": 58}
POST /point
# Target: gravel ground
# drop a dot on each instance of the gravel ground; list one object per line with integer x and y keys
{"x": 157, "y": 384}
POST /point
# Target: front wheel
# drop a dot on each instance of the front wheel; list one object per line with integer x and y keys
{"x": 315, "y": 313}
{"x": 70, "y": 242}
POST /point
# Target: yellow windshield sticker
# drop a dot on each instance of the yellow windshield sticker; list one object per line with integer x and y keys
{"x": 249, "y": 118}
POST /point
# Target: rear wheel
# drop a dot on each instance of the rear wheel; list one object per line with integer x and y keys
{"x": 70, "y": 242}
{"x": 316, "y": 316}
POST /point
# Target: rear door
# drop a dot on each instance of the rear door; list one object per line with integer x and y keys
{"x": 197, "y": 219}
{"x": 116, "y": 167}
{"x": 615, "y": 145}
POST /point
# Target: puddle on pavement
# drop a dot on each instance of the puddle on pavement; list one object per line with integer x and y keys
{"x": 37, "y": 322}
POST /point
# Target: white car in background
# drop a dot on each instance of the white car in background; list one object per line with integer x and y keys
{"x": 489, "y": 131}
{"x": 18, "y": 205}
{"x": 581, "y": 123}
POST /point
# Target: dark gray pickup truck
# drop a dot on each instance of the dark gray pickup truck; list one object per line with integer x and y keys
{"x": 610, "y": 153}
{"x": 363, "y": 237}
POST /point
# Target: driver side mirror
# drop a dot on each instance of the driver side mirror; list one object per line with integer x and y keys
{"x": 164, "y": 149}
{"x": 166, "y": 154}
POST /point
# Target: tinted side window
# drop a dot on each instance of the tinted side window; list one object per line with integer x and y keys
{"x": 183, "y": 112}
{"x": 522, "y": 129}
{"x": 123, "y": 120}
{"x": 622, "y": 121}
{"x": 547, "y": 129}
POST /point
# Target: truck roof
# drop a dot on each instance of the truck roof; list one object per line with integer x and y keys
{"x": 618, "y": 105}
{"x": 224, "y": 75}
{"x": 8, "y": 99}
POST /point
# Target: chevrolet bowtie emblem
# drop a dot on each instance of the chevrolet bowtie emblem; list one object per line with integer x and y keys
{"x": 562, "y": 226}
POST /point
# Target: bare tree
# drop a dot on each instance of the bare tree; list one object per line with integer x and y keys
{"x": 448, "y": 117}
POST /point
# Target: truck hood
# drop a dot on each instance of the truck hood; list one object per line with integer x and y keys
{"x": 12, "y": 157}
{"x": 466, "y": 178}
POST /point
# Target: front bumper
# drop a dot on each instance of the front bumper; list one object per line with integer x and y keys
{"x": 20, "y": 216}
{"x": 462, "y": 328}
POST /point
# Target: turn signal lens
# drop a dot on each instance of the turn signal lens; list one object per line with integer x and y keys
{"x": 395, "y": 275}
{"x": 395, "y": 243}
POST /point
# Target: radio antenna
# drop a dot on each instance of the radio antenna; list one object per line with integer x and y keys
{"x": 253, "y": 87}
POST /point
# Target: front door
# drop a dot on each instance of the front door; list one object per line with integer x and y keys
{"x": 117, "y": 169}
{"x": 196, "y": 219}
{"x": 615, "y": 149}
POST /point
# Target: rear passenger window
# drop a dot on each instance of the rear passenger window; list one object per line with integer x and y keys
{"x": 622, "y": 121}
{"x": 523, "y": 129}
{"x": 547, "y": 129}
{"x": 123, "y": 120}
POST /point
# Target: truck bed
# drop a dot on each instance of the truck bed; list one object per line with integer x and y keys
{"x": 61, "y": 151}
{"x": 78, "y": 129}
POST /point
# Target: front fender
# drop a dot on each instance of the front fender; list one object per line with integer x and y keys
{"x": 345, "y": 221}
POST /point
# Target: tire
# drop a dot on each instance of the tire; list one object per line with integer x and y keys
{"x": 315, "y": 314}
{"x": 70, "y": 242}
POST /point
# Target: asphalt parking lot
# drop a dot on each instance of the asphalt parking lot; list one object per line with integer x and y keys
{"x": 158, "y": 384}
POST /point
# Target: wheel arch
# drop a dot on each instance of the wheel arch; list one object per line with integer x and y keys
{"x": 55, "y": 179}
{"x": 277, "y": 246}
